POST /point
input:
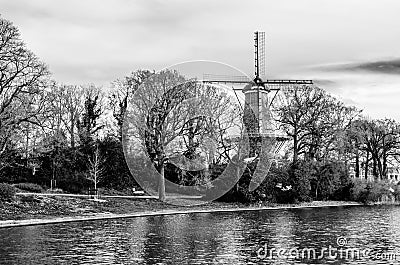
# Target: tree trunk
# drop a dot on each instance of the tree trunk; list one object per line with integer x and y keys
{"x": 161, "y": 184}
{"x": 380, "y": 170}
{"x": 366, "y": 166}
{"x": 53, "y": 175}
{"x": 96, "y": 193}
{"x": 95, "y": 181}
{"x": 72, "y": 138}
{"x": 295, "y": 150}
{"x": 120, "y": 133}
{"x": 384, "y": 166}
{"x": 375, "y": 168}
{"x": 357, "y": 164}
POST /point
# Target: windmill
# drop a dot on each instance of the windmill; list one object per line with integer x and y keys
{"x": 260, "y": 93}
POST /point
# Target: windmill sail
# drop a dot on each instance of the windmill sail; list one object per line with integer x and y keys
{"x": 226, "y": 78}
{"x": 259, "y": 38}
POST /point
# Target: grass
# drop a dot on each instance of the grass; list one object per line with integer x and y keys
{"x": 25, "y": 207}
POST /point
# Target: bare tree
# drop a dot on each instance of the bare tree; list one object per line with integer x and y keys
{"x": 328, "y": 129}
{"x": 96, "y": 168}
{"x": 23, "y": 79}
{"x": 207, "y": 136}
{"x": 316, "y": 122}
{"x": 161, "y": 116}
{"x": 122, "y": 90}
{"x": 171, "y": 115}
{"x": 353, "y": 147}
{"x": 89, "y": 124}
{"x": 302, "y": 111}
{"x": 73, "y": 101}
{"x": 380, "y": 139}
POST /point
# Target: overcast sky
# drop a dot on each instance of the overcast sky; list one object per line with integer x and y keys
{"x": 350, "y": 47}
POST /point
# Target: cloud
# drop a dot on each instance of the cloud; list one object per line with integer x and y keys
{"x": 372, "y": 86}
{"x": 385, "y": 67}
{"x": 391, "y": 66}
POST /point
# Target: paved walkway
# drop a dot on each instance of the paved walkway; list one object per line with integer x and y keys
{"x": 108, "y": 196}
{"x": 104, "y": 216}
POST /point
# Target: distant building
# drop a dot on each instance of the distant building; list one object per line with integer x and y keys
{"x": 352, "y": 172}
{"x": 393, "y": 173}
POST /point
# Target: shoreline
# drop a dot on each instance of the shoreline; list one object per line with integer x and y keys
{"x": 162, "y": 212}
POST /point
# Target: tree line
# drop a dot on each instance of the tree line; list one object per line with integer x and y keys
{"x": 71, "y": 136}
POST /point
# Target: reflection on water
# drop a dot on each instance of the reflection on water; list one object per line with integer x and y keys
{"x": 217, "y": 238}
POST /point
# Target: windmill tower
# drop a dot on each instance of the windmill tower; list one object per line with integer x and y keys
{"x": 257, "y": 118}
{"x": 259, "y": 95}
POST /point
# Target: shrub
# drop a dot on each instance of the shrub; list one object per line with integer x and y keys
{"x": 299, "y": 178}
{"x": 380, "y": 191}
{"x": 367, "y": 192}
{"x": 397, "y": 192}
{"x": 329, "y": 180}
{"x": 31, "y": 187}
{"x": 77, "y": 183}
{"x": 359, "y": 190}
{"x": 7, "y": 192}
{"x": 276, "y": 187}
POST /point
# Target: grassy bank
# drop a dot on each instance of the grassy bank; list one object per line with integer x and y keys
{"x": 26, "y": 207}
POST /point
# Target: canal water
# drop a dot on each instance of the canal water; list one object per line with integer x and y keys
{"x": 339, "y": 235}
